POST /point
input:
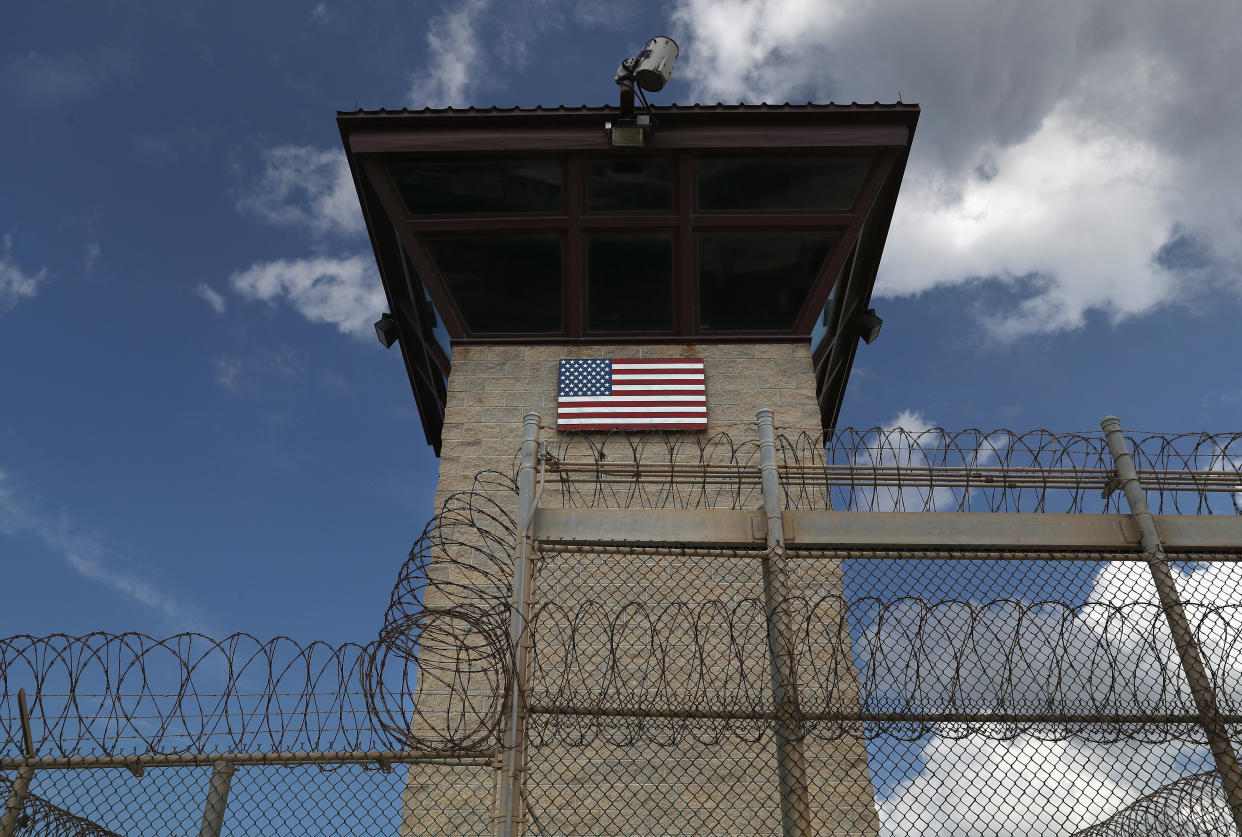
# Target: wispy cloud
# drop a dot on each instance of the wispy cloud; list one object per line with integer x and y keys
{"x": 236, "y": 372}
{"x": 304, "y": 187}
{"x": 1055, "y": 156}
{"x": 227, "y": 370}
{"x": 455, "y": 63}
{"x": 90, "y": 256}
{"x": 43, "y": 80}
{"x": 86, "y": 552}
{"x": 344, "y": 292}
{"x": 212, "y": 297}
{"x": 15, "y": 284}
{"x": 322, "y": 13}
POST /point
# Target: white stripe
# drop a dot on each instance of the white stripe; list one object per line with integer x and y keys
{"x": 602, "y": 420}
{"x": 616, "y": 364}
{"x": 654, "y": 387}
{"x": 570, "y": 399}
{"x": 647, "y": 376}
{"x": 686, "y": 409}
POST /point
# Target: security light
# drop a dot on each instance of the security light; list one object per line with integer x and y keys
{"x": 869, "y": 326}
{"x": 386, "y": 330}
{"x": 649, "y": 70}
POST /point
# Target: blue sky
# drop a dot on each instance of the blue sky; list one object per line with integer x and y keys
{"x": 187, "y": 443}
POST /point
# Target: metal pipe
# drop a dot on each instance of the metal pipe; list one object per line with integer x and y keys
{"x": 25, "y": 774}
{"x": 462, "y": 757}
{"x": 509, "y": 817}
{"x": 791, "y": 763}
{"x": 16, "y": 800}
{"x": 1183, "y": 637}
{"x": 217, "y": 799}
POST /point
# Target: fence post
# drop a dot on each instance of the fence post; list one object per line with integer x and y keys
{"x": 25, "y": 775}
{"x": 791, "y": 764}
{"x": 510, "y": 817}
{"x": 1183, "y": 637}
{"x": 217, "y": 799}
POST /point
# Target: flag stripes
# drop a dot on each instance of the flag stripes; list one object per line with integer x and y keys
{"x": 632, "y": 394}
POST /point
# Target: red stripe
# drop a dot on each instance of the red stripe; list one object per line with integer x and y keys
{"x": 606, "y": 404}
{"x": 607, "y": 411}
{"x": 644, "y": 380}
{"x": 621, "y": 425}
{"x": 634, "y": 417}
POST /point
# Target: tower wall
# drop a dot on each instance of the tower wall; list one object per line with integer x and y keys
{"x": 687, "y": 788}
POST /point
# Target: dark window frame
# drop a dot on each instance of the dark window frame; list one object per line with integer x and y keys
{"x": 685, "y": 223}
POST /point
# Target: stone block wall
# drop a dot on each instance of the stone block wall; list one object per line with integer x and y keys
{"x": 686, "y": 788}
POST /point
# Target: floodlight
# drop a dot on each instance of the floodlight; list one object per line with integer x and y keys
{"x": 654, "y": 65}
{"x": 386, "y": 331}
{"x": 649, "y": 70}
{"x": 869, "y": 326}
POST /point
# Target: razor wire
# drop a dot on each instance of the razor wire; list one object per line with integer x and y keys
{"x": 663, "y": 652}
{"x": 882, "y": 469}
{"x": 1193, "y": 806}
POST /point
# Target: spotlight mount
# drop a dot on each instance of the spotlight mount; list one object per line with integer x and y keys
{"x": 649, "y": 70}
{"x": 869, "y": 326}
{"x": 386, "y": 330}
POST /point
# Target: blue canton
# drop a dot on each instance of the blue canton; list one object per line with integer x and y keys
{"x": 585, "y": 377}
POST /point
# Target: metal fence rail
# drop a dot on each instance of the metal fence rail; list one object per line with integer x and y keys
{"x": 785, "y": 636}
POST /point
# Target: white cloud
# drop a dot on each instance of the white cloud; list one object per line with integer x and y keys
{"x": 1062, "y": 148}
{"x": 1024, "y": 787}
{"x": 455, "y": 63}
{"x": 344, "y": 292}
{"x": 305, "y": 187}
{"x": 212, "y": 297}
{"x": 1116, "y": 652}
{"x": 86, "y": 553}
{"x": 910, "y": 421}
{"x": 15, "y": 283}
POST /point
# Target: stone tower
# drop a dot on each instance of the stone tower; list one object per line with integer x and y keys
{"x": 748, "y": 236}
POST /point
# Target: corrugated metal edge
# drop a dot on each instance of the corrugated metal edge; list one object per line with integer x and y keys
{"x": 741, "y": 107}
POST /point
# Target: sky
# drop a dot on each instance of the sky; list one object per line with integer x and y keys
{"x": 198, "y": 429}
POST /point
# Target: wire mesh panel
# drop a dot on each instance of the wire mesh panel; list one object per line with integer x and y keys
{"x": 262, "y": 799}
{"x": 752, "y": 684}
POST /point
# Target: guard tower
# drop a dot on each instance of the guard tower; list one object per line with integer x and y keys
{"x": 748, "y": 237}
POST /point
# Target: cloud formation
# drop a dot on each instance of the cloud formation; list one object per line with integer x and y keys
{"x": 1052, "y": 787}
{"x": 87, "y": 553}
{"x": 454, "y": 65}
{"x": 1072, "y": 153}
{"x": 211, "y": 296}
{"x": 15, "y": 283}
{"x": 343, "y": 292}
{"x": 304, "y": 187}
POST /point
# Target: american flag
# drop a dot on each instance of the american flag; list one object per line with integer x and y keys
{"x": 632, "y": 394}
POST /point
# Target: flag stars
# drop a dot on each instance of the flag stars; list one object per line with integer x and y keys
{"x": 585, "y": 377}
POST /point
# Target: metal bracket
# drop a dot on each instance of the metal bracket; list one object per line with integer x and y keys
{"x": 757, "y": 527}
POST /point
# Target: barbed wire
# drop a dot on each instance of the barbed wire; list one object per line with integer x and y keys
{"x": 881, "y": 469}
{"x": 436, "y": 677}
{"x": 1194, "y": 806}
{"x": 41, "y": 817}
{"x": 903, "y": 669}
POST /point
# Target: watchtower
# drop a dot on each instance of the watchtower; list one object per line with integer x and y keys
{"x": 746, "y": 237}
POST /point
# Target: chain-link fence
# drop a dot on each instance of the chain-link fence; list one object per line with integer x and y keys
{"x": 683, "y": 635}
